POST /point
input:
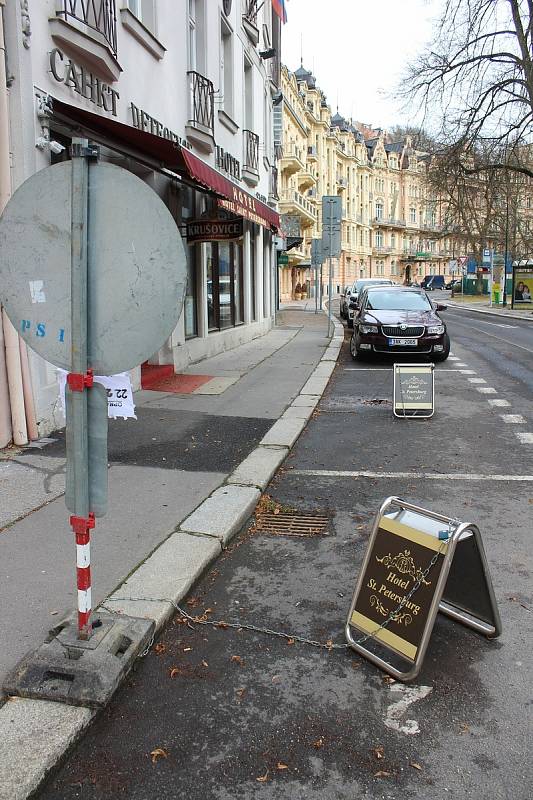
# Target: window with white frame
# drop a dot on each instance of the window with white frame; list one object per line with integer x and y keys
{"x": 393, "y": 268}
{"x": 379, "y": 238}
{"x": 144, "y": 10}
{"x": 226, "y": 67}
{"x": 379, "y": 210}
{"x": 412, "y": 214}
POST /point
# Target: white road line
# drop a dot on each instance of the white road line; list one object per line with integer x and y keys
{"x": 453, "y": 358}
{"x": 486, "y": 390}
{"x": 513, "y": 419}
{"x": 497, "y": 324}
{"x": 466, "y": 371}
{"x": 432, "y": 476}
{"x": 525, "y": 438}
{"x": 499, "y": 403}
{"x": 493, "y": 335}
{"x": 477, "y": 380}
{"x": 460, "y": 364}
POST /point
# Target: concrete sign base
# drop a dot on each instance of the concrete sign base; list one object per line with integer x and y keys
{"x": 81, "y": 673}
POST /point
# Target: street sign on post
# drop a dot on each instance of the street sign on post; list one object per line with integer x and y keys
{"x": 409, "y": 574}
{"x": 331, "y": 237}
{"x": 93, "y": 276}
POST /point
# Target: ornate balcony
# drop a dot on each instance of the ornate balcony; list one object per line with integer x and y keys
{"x": 89, "y": 29}
{"x": 388, "y": 222}
{"x": 381, "y": 250}
{"x": 200, "y": 127}
{"x": 250, "y": 168}
{"x": 99, "y": 15}
{"x": 292, "y": 159}
{"x": 292, "y": 202}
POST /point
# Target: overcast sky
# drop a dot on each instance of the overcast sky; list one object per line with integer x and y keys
{"x": 357, "y": 50}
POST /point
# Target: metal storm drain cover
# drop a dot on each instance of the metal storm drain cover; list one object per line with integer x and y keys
{"x": 292, "y": 524}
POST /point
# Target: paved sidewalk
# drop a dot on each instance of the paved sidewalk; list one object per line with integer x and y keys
{"x": 183, "y": 479}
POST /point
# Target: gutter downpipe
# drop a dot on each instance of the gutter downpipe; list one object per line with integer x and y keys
{"x": 11, "y": 390}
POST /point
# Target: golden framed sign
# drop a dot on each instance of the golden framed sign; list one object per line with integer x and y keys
{"x": 408, "y": 575}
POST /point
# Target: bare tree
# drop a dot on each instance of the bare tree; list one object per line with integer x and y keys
{"x": 475, "y": 81}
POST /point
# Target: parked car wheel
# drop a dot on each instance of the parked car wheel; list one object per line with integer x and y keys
{"x": 438, "y": 357}
{"x": 356, "y": 354}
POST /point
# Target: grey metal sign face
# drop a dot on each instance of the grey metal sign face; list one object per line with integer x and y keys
{"x": 136, "y": 267}
{"x": 331, "y": 209}
{"x": 316, "y": 253}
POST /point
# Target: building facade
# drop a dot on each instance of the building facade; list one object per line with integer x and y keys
{"x": 181, "y": 93}
{"x": 391, "y": 225}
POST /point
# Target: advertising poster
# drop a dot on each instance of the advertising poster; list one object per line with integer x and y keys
{"x": 523, "y": 287}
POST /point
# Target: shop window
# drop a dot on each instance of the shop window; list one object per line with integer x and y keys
{"x": 253, "y": 241}
{"x": 225, "y": 300}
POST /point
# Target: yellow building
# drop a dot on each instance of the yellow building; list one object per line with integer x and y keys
{"x": 390, "y": 226}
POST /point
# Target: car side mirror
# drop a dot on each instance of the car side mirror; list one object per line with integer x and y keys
{"x": 354, "y": 304}
{"x": 440, "y": 307}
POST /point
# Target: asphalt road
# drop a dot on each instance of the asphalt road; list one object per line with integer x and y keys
{"x": 214, "y": 713}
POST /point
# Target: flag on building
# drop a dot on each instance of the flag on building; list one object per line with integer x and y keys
{"x": 279, "y": 8}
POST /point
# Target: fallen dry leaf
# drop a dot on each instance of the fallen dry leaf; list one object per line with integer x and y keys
{"x": 415, "y": 765}
{"x": 276, "y": 678}
{"x": 157, "y": 754}
{"x": 463, "y": 728}
{"x": 205, "y": 664}
{"x": 173, "y": 672}
{"x": 388, "y": 679}
{"x": 222, "y": 625}
{"x": 160, "y": 648}
{"x": 378, "y": 752}
{"x": 263, "y": 778}
{"x": 240, "y": 692}
{"x": 276, "y": 510}
{"x": 237, "y": 660}
{"x": 383, "y": 773}
{"x": 329, "y": 644}
{"x": 193, "y": 602}
{"x": 290, "y": 641}
{"x": 280, "y": 765}
{"x": 318, "y": 743}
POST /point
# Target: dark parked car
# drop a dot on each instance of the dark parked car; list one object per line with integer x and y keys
{"x": 431, "y": 282}
{"x": 399, "y": 319}
{"x": 344, "y": 300}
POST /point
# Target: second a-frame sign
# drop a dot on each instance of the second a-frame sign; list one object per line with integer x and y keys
{"x": 418, "y": 563}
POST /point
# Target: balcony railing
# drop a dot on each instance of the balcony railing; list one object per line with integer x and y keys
{"x": 381, "y": 250}
{"x": 251, "y": 7}
{"x": 297, "y": 199}
{"x": 99, "y": 15}
{"x": 394, "y": 223}
{"x": 251, "y": 150}
{"x": 202, "y": 103}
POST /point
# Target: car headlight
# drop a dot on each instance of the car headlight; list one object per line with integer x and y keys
{"x": 436, "y": 329}
{"x": 369, "y": 328}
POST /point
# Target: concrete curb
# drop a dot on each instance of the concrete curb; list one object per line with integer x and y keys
{"x": 36, "y": 734}
{"x": 489, "y": 312}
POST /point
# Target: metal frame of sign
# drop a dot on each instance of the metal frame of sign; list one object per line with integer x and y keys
{"x": 457, "y": 610}
{"x": 413, "y": 413}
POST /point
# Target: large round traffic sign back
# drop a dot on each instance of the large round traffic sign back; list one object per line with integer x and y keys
{"x": 136, "y": 267}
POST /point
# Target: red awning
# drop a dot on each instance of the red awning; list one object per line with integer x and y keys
{"x": 174, "y": 158}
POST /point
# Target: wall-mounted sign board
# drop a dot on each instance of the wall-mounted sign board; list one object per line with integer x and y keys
{"x": 417, "y": 563}
{"x": 414, "y": 390}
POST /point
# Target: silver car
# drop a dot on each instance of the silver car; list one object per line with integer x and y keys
{"x": 357, "y": 287}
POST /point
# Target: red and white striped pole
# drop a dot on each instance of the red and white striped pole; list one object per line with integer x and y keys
{"x": 81, "y": 528}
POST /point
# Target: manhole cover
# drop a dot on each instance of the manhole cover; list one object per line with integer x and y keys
{"x": 292, "y": 524}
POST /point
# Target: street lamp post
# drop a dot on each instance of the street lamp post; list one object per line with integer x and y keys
{"x": 504, "y": 298}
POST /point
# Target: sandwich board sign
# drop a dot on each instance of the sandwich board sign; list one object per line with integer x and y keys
{"x": 414, "y": 390}
{"x": 417, "y": 563}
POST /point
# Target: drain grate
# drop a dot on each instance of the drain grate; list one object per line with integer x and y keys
{"x": 292, "y": 524}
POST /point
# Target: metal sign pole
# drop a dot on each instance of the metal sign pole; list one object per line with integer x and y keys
{"x": 330, "y": 279}
{"x": 79, "y": 380}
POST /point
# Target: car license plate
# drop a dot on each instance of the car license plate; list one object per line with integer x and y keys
{"x": 402, "y": 342}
